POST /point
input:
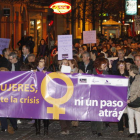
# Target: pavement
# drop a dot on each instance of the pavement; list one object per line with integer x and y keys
{"x": 82, "y": 132}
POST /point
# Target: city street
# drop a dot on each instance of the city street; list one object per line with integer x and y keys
{"x": 82, "y": 132}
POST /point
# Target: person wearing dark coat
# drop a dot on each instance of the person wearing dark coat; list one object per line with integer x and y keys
{"x": 121, "y": 55}
{"x": 42, "y": 49}
{"x": 121, "y": 70}
{"x": 14, "y": 63}
{"x": 22, "y": 42}
{"x": 55, "y": 65}
{"x": 30, "y": 43}
{"x": 87, "y": 64}
{"x": 41, "y": 67}
{"x": 24, "y": 56}
{"x": 4, "y": 62}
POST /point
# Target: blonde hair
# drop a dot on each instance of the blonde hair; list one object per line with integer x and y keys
{"x": 62, "y": 63}
{"x": 3, "y": 69}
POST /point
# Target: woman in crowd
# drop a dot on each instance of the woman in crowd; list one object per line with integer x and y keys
{"x": 74, "y": 69}
{"x": 93, "y": 55}
{"x": 118, "y": 47}
{"x": 133, "y": 94}
{"x": 74, "y": 66}
{"x": 41, "y": 67}
{"x": 122, "y": 72}
{"x": 55, "y": 65}
{"x": 65, "y": 124}
{"x": 81, "y": 51}
{"x": 121, "y": 69}
{"x": 100, "y": 66}
{"x": 40, "y": 62}
{"x": 84, "y": 46}
{"x": 42, "y": 49}
{"x": 129, "y": 62}
{"x": 104, "y": 51}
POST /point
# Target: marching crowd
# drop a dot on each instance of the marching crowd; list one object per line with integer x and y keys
{"x": 91, "y": 59}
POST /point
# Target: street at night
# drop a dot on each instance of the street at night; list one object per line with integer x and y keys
{"x": 82, "y": 132}
{"x": 72, "y": 67}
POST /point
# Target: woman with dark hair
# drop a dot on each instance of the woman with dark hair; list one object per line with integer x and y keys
{"x": 108, "y": 46}
{"x": 41, "y": 67}
{"x": 81, "y": 51}
{"x": 100, "y": 66}
{"x": 40, "y": 62}
{"x": 121, "y": 69}
{"x": 42, "y": 49}
{"x": 104, "y": 50}
{"x": 129, "y": 62}
{"x": 55, "y": 65}
{"x": 121, "y": 66}
{"x": 127, "y": 51}
{"x": 93, "y": 54}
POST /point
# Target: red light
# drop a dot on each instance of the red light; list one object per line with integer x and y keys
{"x": 51, "y": 23}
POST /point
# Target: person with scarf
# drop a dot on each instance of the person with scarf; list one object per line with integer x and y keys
{"x": 100, "y": 66}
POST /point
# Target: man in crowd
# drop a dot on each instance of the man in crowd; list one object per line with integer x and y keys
{"x": 15, "y": 64}
{"x": 4, "y": 60}
{"x": 31, "y": 58}
{"x": 120, "y": 57}
{"x": 137, "y": 61}
{"x": 81, "y": 51}
{"x": 125, "y": 42}
{"x": 76, "y": 46}
{"x": 26, "y": 52}
{"x": 87, "y": 64}
{"x": 31, "y": 43}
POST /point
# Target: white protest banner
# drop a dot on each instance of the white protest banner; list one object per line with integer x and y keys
{"x": 65, "y": 47}
{"x": 4, "y": 43}
{"x": 89, "y": 37}
{"x": 137, "y": 23}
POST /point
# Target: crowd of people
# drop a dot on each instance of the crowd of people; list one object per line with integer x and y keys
{"x": 91, "y": 59}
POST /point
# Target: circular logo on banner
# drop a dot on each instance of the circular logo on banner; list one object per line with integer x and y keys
{"x": 44, "y": 88}
{"x": 61, "y": 7}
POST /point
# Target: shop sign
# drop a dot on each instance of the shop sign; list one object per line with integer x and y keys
{"x": 61, "y": 7}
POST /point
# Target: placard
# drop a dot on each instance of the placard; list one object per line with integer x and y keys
{"x": 4, "y": 43}
{"x": 131, "y": 7}
{"x": 65, "y": 47}
{"x": 89, "y": 37}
